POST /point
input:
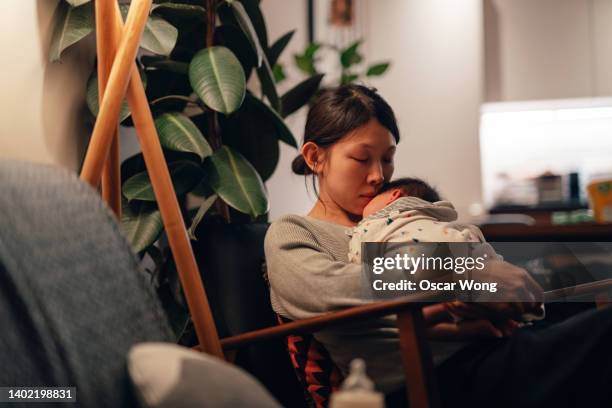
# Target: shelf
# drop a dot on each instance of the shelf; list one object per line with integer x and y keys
{"x": 567, "y": 233}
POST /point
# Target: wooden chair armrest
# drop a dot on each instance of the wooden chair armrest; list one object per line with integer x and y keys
{"x": 416, "y": 358}
{"x": 314, "y": 324}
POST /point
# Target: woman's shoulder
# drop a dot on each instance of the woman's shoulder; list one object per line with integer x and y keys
{"x": 305, "y": 222}
{"x": 290, "y": 225}
{"x": 293, "y": 227}
{"x": 290, "y": 219}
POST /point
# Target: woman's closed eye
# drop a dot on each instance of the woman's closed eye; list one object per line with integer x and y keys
{"x": 360, "y": 159}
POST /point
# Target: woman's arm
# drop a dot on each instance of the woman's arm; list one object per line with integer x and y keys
{"x": 305, "y": 279}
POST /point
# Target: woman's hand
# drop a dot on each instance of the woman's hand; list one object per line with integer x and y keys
{"x": 494, "y": 311}
{"x": 441, "y": 327}
{"x": 517, "y": 293}
{"x": 464, "y": 330}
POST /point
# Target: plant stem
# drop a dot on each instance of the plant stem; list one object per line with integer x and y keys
{"x": 210, "y": 22}
{"x": 213, "y": 131}
{"x": 214, "y": 136}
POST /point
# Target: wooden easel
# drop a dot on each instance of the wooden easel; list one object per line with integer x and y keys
{"x": 117, "y": 74}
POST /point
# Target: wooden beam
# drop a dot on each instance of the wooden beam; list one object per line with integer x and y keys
{"x": 106, "y": 123}
{"x": 157, "y": 167}
{"x": 106, "y": 47}
{"x": 417, "y": 361}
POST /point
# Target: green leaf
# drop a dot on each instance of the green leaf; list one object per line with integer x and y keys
{"x": 377, "y": 69}
{"x": 299, "y": 95}
{"x": 92, "y": 96}
{"x": 141, "y": 227}
{"x": 179, "y": 10}
{"x": 252, "y": 132}
{"x": 168, "y": 65}
{"x": 200, "y": 215}
{"x": 266, "y": 78}
{"x": 279, "y": 74}
{"x": 350, "y": 55}
{"x": 282, "y": 131}
{"x": 217, "y": 77}
{"x": 305, "y": 64}
{"x": 202, "y": 190}
{"x": 262, "y": 151}
{"x": 247, "y": 15}
{"x": 236, "y": 181}
{"x": 77, "y": 3}
{"x": 247, "y": 27}
{"x": 233, "y": 38}
{"x": 177, "y": 132}
{"x": 72, "y": 24}
{"x": 277, "y": 48}
{"x": 311, "y": 49}
{"x": 348, "y": 78}
{"x": 185, "y": 175}
{"x": 254, "y": 12}
{"x": 159, "y": 36}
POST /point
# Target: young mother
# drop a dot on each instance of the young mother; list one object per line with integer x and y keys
{"x": 349, "y": 147}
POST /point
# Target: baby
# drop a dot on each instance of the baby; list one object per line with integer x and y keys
{"x": 409, "y": 210}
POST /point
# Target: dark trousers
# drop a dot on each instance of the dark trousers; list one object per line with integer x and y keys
{"x": 563, "y": 363}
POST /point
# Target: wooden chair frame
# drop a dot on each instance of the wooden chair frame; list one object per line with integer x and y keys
{"x": 421, "y": 385}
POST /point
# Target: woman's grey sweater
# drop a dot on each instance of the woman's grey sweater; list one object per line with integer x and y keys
{"x": 309, "y": 274}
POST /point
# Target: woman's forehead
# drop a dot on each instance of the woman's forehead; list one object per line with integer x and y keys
{"x": 372, "y": 135}
{"x": 370, "y": 141}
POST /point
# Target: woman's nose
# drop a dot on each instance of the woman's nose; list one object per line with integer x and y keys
{"x": 376, "y": 176}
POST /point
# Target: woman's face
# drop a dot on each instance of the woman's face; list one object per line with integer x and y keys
{"x": 355, "y": 167}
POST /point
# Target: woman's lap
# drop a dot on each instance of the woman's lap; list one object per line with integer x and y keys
{"x": 562, "y": 365}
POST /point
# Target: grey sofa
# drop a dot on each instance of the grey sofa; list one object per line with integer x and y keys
{"x": 72, "y": 298}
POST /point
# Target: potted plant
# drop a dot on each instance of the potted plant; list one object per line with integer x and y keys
{"x": 220, "y": 138}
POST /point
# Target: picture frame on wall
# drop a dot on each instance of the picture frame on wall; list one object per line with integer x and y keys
{"x": 337, "y": 22}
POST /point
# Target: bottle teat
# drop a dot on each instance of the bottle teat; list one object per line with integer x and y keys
{"x": 357, "y": 390}
{"x": 357, "y": 378}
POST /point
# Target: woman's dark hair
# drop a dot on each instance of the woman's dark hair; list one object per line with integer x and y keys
{"x": 338, "y": 111}
{"x": 413, "y": 187}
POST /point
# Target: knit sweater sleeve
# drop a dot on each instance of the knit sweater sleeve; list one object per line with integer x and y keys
{"x": 306, "y": 275}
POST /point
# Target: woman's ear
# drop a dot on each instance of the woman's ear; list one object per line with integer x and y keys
{"x": 311, "y": 153}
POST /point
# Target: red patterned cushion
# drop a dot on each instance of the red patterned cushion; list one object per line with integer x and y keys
{"x": 314, "y": 367}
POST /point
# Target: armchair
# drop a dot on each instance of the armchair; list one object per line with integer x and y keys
{"x": 230, "y": 259}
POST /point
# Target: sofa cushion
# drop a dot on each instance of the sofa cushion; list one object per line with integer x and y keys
{"x": 170, "y": 376}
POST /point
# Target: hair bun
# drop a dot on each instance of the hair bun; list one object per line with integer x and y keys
{"x": 298, "y": 166}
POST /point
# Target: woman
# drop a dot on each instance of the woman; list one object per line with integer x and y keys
{"x": 349, "y": 146}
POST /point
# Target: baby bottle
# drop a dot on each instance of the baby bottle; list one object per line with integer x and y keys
{"x": 357, "y": 390}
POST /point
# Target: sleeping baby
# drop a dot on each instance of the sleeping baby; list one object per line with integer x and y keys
{"x": 409, "y": 210}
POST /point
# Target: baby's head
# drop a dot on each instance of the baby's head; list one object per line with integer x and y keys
{"x": 403, "y": 187}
